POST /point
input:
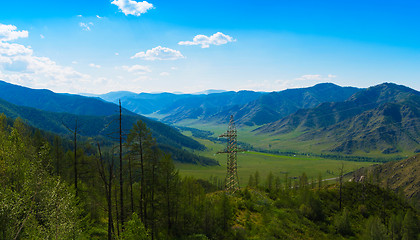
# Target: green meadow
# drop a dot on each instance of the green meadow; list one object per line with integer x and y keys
{"x": 249, "y": 162}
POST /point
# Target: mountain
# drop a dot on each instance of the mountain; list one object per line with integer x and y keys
{"x": 272, "y": 107}
{"x": 204, "y": 106}
{"x": 64, "y": 109}
{"x": 143, "y": 103}
{"x": 57, "y": 102}
{"x": 384, "y": 117}
{"x": 248, "y": 107}
{"x": 177, "y": 107}
{"x": 168, "y": 138}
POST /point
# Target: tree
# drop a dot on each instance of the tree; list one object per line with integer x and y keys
{"x": 135, "y": 230}
{"x": 139, "y": 142}
{"x": 106, "y": 172}
{"x": 257, "y": 178}
{"x": 168, "y": 187}
{"x": 33, "y": 203}
{"x": 409, "y": 226}
{"x": 341, "y": 183}
{"x": 395, "y": 224}
{"x": 342, "y": 223}
{"x": 375, "y": 230}
{"x": 251, "y": 181}
{"x": 270, "y": 182}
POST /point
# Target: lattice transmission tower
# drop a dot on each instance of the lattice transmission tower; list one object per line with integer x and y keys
{"x": 231, "y": 182}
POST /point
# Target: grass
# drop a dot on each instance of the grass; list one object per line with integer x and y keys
{"x": 250, "y": 162}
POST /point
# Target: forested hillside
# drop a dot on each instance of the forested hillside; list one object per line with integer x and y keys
{"x": 106, "y": 127}
{"x": 43, "y": 197}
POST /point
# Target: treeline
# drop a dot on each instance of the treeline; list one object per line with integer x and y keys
{"x": 276, "y": 208}
{"x": 61, "y": 188}
{"x": 50, "y": 189}
{"x": 333, "y": 156}
{"x": 203, "y": 134}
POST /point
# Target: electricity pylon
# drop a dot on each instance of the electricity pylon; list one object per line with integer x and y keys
{"x": 231, "y": 182}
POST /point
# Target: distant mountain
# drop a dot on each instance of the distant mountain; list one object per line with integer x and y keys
{"x": 143, "y": 103}
{"x": 385, "y": 117}
{"x": 57, "y": 102}
{"x": 272, "y": 107}
{"x": 248, "y": 107}
{"x": 204, "y": 106}
{"x": 177, "y": 107}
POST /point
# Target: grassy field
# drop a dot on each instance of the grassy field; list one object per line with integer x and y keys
{"x": 250, "y": 162}
{"x": 287, "y": 142}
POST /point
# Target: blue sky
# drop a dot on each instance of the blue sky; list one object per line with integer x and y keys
{"x": 102, "y": 46}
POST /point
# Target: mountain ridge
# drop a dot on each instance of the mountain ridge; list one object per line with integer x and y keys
{"x": 372, "y": 119}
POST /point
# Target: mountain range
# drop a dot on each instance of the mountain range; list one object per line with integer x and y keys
{"x": 56, "y": 113}
{"x": 248, "y": 107}
{"x": 383, "y": 117}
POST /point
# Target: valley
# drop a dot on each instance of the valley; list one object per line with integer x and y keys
{"x": 209, "y": 120}
{"x": 302, "y": 153}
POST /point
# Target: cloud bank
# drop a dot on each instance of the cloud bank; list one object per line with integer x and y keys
{"x": 19, "y": 65}
{"x": 9, "y": 33}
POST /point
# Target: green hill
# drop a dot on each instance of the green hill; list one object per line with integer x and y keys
{"x": 106, "y": 126}
{"x": 401, "y": 176}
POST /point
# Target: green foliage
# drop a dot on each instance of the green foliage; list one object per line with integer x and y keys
{"x": 33, "y": 203}
{"x": 342, "y": 223}
{"x": 375, "y": 230}
{"x": 135, "y": 230}
{"x": 410, "y": 226}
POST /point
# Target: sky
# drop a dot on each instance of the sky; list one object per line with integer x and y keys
{"x": 99, "y": 46}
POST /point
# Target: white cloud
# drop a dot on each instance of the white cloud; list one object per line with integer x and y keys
{"x": 19, "y": 65}
{"x": 159, "y": 53}
{"x": 164, "y": 74}
{"x": 13, "y": 49}
{"x": 315, "y": 77}
{"x": 41, "y": 36}
{"x": 309, "y": 77}
{"x": 205, "y": 42}
{"x": 99, "y": 16}
{"x": 138, "y": 69}
{"x": 75, "y": 62}
{"x": 117, "y": 54}
{"x": 94, "y": 65}
{"x": 129, "y": 7}
{"x": 9, "y": 33}
{"x": 79, "y": 16}
{"x": 174, "y": 68}
{"x": 85, "y": 26}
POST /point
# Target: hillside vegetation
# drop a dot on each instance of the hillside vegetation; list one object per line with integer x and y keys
{"x": 382, "y": 118}
{"x": 401, "y": 176}
{"x": 38, "y": 199}
{"x": 102, "y": 125}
